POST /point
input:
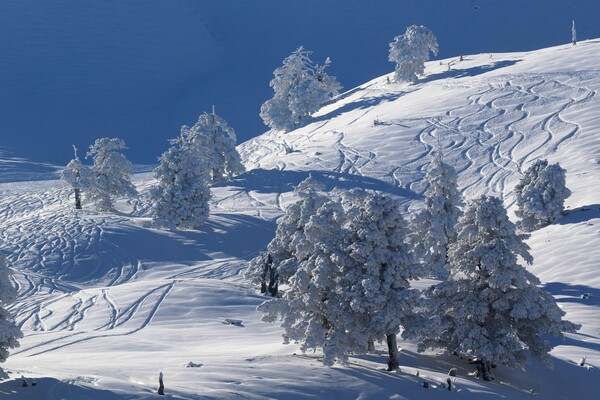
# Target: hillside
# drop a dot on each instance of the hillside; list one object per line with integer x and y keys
{"x": 75, "y": 70}
{"x": 106, "y": 302}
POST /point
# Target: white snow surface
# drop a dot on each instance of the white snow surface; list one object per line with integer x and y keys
{"x": 106, "y": 302}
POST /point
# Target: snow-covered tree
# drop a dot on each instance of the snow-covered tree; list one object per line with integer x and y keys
{"x": 351, "y": 278}
{"x": 181, "y": 195}
{"x": 111, "y": 173}
{"x": 9, "y": 332}
{"x": 281, "y": 257}
{"x": 491, "y": 308}
{"x": 301, "y": 88}
{"x": 216, "y": 141}
{"x": 434, "y": 226}
{"x": 410, "y": 51}
{"x": 540, "y": 195}
{"x": 78, "y": 176}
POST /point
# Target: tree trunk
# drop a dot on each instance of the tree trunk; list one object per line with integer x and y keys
{"x": 78, "y": 199}
{"x": 484, "y": 370}
{"x": 393, "y": 362}
{"x": 161, "y": 386}
{"x": 371, "y": 345}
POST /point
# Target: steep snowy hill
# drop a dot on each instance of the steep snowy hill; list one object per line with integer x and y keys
{"x": 75, "y": 70}
{"x": 106, "y": 302}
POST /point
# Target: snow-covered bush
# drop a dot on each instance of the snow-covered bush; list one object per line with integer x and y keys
{"x": 9, "y": 332}
{"x": 111, "y": 173}
{"x": 181, "y": 195}
{"x": 491, "y": 308}
{"x": 350, "y": 282}
{"x": 78, "y": 176}
{"x": 216, "y": 141}
{"x": 410, "y": 51}
{"x": 433, "y": 228}
{"x": 301, "y": 88}
{"x": 540, "y": 195}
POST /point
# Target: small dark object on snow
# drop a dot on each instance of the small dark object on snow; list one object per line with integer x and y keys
{"x": 236, "y": 322}
{"x": 34, "y": 383}
{"x": 452, "y": 372}
{"x": 449, "y": 382}
{"x": 586, "y": 295}
{"x": 582, "y": 361}
{"x": 192, "y": 365}
{"x": 161, "y": 386}
{"x": 426, "y": 385}
{"x": 417, "y": 372}
{"x": 24, "y": 383}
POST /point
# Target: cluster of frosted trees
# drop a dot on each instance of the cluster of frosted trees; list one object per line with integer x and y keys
{"x": 201, "y": 156}
{"x": 347, "y": 260}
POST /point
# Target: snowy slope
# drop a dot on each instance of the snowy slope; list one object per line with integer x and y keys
{"x": 106, "y": 302}
{"x": 75, "y": 70}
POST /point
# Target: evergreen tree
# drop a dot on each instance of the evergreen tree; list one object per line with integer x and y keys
{"x": 78, "y": 176}
{"x": 540, "y": 195}
{"x": 216, "y": 141}
{"x": 288, "y": 246}
{"x": 350, "y": 282}
{"x": 9, "y": 332}
{"x": 434, "y": 226}
{"x": 410, "y": 51}
{"x": 181, "y": 195}
{"x": 111, "y": 173}
{"x": 491, "y": 308}
{"x": 301, "y": 88}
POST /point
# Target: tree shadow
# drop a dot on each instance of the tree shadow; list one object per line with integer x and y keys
{"x": 468, "y": 72}
{"x": 580, "y": 294}
{"x": 280, "y": 181}
{"x": 361, "y": 103}
{"x": 52, "y": 388}
{"x": 580, "y": 214}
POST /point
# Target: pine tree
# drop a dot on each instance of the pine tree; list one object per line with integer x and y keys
{"x": 410, "y": 51}
{"x": 111, "y": 173}
{"x": 434, "y": 226}
{"x": 540, "y": 195}
{"x": 9, "y": 332}
{"x": 78, "y": 176}
{"x": 216, "y": 141}
{"x": 288, "y": 246}
{"x": 301, "y": 88}
{"x": 491, "y": 308}
{"x": 350, "y": 282}
{"x": 181, "y": 195}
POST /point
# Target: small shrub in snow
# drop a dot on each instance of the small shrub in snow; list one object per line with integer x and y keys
{"x": 78, "y": 176}
{"x": 9, "y": 332}
{"x": 216, "y": 141}
{"x": 301, "y": 88}
{"x": 540, "y": 195}
{"x": 490, "y": 308}
{"x": 410, "y": 51}
{"x": 181, "y": 195}
{"x": 111, "y": 173}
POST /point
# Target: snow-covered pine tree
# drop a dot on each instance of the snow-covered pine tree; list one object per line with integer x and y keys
{"x": 181, "y": 195}
{"x": 433, "y": 228}
{"x": 216, "y": 141}
{"x": 491, "y": 308}
{"x": 9, "y": 332}
{"x": 410, "y": 51}
{"x": 78, "y": 176}
{"x": 351, "y": 279}
{"x": 301, "y": 88}
{"x": 111, "y": 173}
{"x": 540, "y": 195}
{"x": 281, "y": 256}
